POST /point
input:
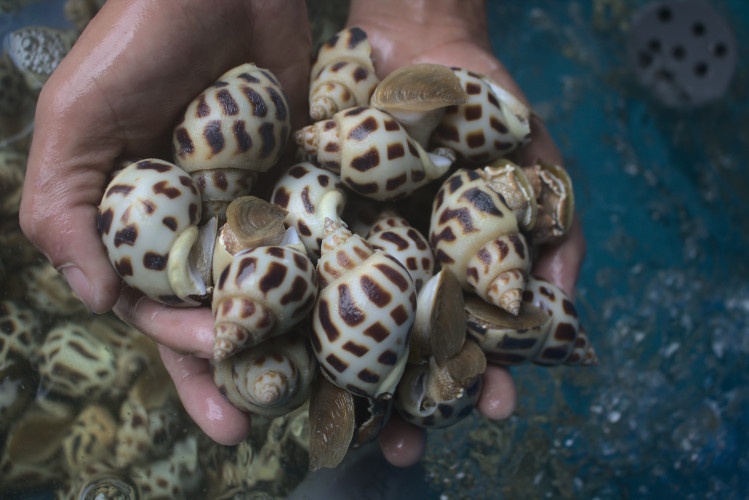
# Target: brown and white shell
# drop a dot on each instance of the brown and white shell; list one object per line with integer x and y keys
{"x": 373, "y": 153}
{"x": 363, "y": 314}
{"x": 148, "y": 222}
{"x": 393, "y": 234}
{"x": 310, "y": 194}
{"x": 343, "y": 75}
{"x": 476, "y": 236}
{"x": 546, "y": 331}
{"x": 489, "y": 125}
{"x": 231, "y": 131}
{"x": 272, "y": 379}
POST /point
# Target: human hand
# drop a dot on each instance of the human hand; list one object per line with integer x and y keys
{"x": 118, "y": 94}
{"x": 454, "y": 33}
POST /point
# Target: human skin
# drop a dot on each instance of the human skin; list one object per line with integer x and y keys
{"x": 118, "y": 95}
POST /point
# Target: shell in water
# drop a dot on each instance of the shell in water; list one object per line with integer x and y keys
{"x": 36, "y": 51}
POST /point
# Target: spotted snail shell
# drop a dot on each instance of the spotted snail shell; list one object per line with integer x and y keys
{"x": 264, "y": 292}
{"x": 231, "y": 131}
{"x": 476, "y": 236}
{"x": 546, "y": 331}
{"x": 489, "y": 125}
{"x": 363, "y": 314}
{"x": 343, "y": 75}
{"x": 271, "y": 379}
{"x": 309, "y": 194}
{"x": 148, "y": 222}
{"x": 374, "y": 155}
{"x": 394, "y": 235}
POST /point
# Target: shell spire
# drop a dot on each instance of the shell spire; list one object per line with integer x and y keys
{"x": 342, "y": 75}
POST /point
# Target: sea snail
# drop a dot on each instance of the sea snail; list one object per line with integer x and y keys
{"x": 476, "y": 236}
{"x": 266, "y": 288}
{"x": 546, "y": 331}
{"x": 233, "y": 130}
{"x": 148, "y": 222}
{"x": 343, "y": 75}
{"x": 271, "y": 379}
{"x": 363, "y": 314}
{"x": 373, "y": 154}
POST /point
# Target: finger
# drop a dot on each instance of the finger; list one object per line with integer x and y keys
{"x": 183, "y": 330}
{"x": 208, "y": 408}
{"x": 498, "y": 396}
{"x": 402, "y": 444}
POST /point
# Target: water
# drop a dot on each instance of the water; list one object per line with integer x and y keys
{"x": 664, "y": 291}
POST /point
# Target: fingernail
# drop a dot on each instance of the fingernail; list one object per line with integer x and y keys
{"x": 79, "y": 284}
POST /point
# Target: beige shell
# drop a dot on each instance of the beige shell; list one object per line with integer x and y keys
{"x": 555, "y": 199}
{"x": 489, "y": 125}
{"x": 343, "y": 75}
{"x": 546, "y": 331}
{"x": 272, "y": 379}
{"x": 310, "y": 195}
{"x": 373, "y": 153}
{"x": 476, "y": 236}
{"x": 237, "y": 127}
{"x": 509, "y": 180}
{"x": 394, "y": 235}
{"x": 363, "y": 314}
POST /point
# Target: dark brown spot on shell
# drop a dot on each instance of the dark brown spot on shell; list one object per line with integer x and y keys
{"x": 347, "y": 307}
{"x": 368, "y": 376}
{"x": 481, "y": 201}
{"x": 259, "y": 108}
{"x": 202, "y": 109}
{"x": 244, "y": 141}
{"x": 393, "y": 275}
{"x": 388, "y": 357}
{"x": 475, "y": 139}
{"x": 304, "y": 229}
{"x": 155, "y": 261}
{"x": 498, "y": 125}
{"x": 280, "y": 104}
{"x": 473, "y": 88}
{"x": 332, "y": 147}
{"x": 268, "y": 139}
{"x": 357, "y": 350}
{"x": 229, "y": 106}
{"x": 362, "y": 131}
{"x": 337, "y": 363}
{"x": 356, "y": 36}
{"x": 281, "y": 197}
{"x": 363, "y": 187}
{"x": 297, "y": 291}
{"x": 394, "y": 183}
{"x": 367, "y": 161}
{"x": 493, "y": 100}
{"x": 360, "y": 74}
{"x": 123, "y": 189}
{"x": 391, "y": 125}
{"x": 472, "y": 112}
{"x": 170, "y": 222}
{"x": 395, "y": 151}
{"x": 153, "y": 165}
{"x": 309, "y": 207}
{"x": 213, "y": 136}
{"x": 377, "y": 332}
{"x": 323, "y": 315}
{"x": 273, "y": 278}
{"x": 565, "y": 332}
{"x": 126, "y": 236}
{"x": 569, "y": 308}
{"x": 104, "y": 221}
{"x": 124, "y": 267}
{"x": 185, "y": 146}
{"x": 374, "y": 292}
{"x": 400, "y": 315}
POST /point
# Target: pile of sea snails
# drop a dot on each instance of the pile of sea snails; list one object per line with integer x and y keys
{"x": 326, "y": 290}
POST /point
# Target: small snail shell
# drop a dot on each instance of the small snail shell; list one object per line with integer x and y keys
{"x": 372, "y": 152}
{"x": 342, "y": 74}
{"x": 231, "y": 131}
{"x": 148, "y": 222}
{"x": 36, "y": 51}
{"x": 393, "y": 234}
{"x": 310, "y": 194}
{"x": 509, "y": 180}
{"x": 489, "y": 125}
{"x": 363, "y": 314}
{"x": 417, "y": 95}
{"x": 545, "y": 332}
{"x": 90, "y": 438}
{"x": 555, "y": 199}
{"x": 263, "y": 291}
{"x": 433, "y": 395}
{"x": 271, "y": 379}
{"x": 476, "y": 236}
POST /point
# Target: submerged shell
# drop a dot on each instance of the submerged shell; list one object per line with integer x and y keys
{"x": 37, "y": 51}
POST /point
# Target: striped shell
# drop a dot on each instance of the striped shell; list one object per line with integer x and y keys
{"x": 489, "y": 125}
{"x": 262, "y": 293}
{"x": 363, "y": 314}
{"x": 148, "y": 222}
{"x": 475, "y": 235}
{"x": 231, "y": 131}
{"x": 374, "y": 155}
{"x": 342, "y": 74}
{"x": 271, "y": 379}
{"x": 393, "y": 234}
{"x": 546, "y": 332}
{"x": 309, "y": 194}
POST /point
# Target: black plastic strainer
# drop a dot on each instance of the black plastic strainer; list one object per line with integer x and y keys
{"x": 683, "y": 51}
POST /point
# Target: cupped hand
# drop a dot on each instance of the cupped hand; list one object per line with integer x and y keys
{"x": 118, "y": 94}
{"x": 454, "y": 33}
